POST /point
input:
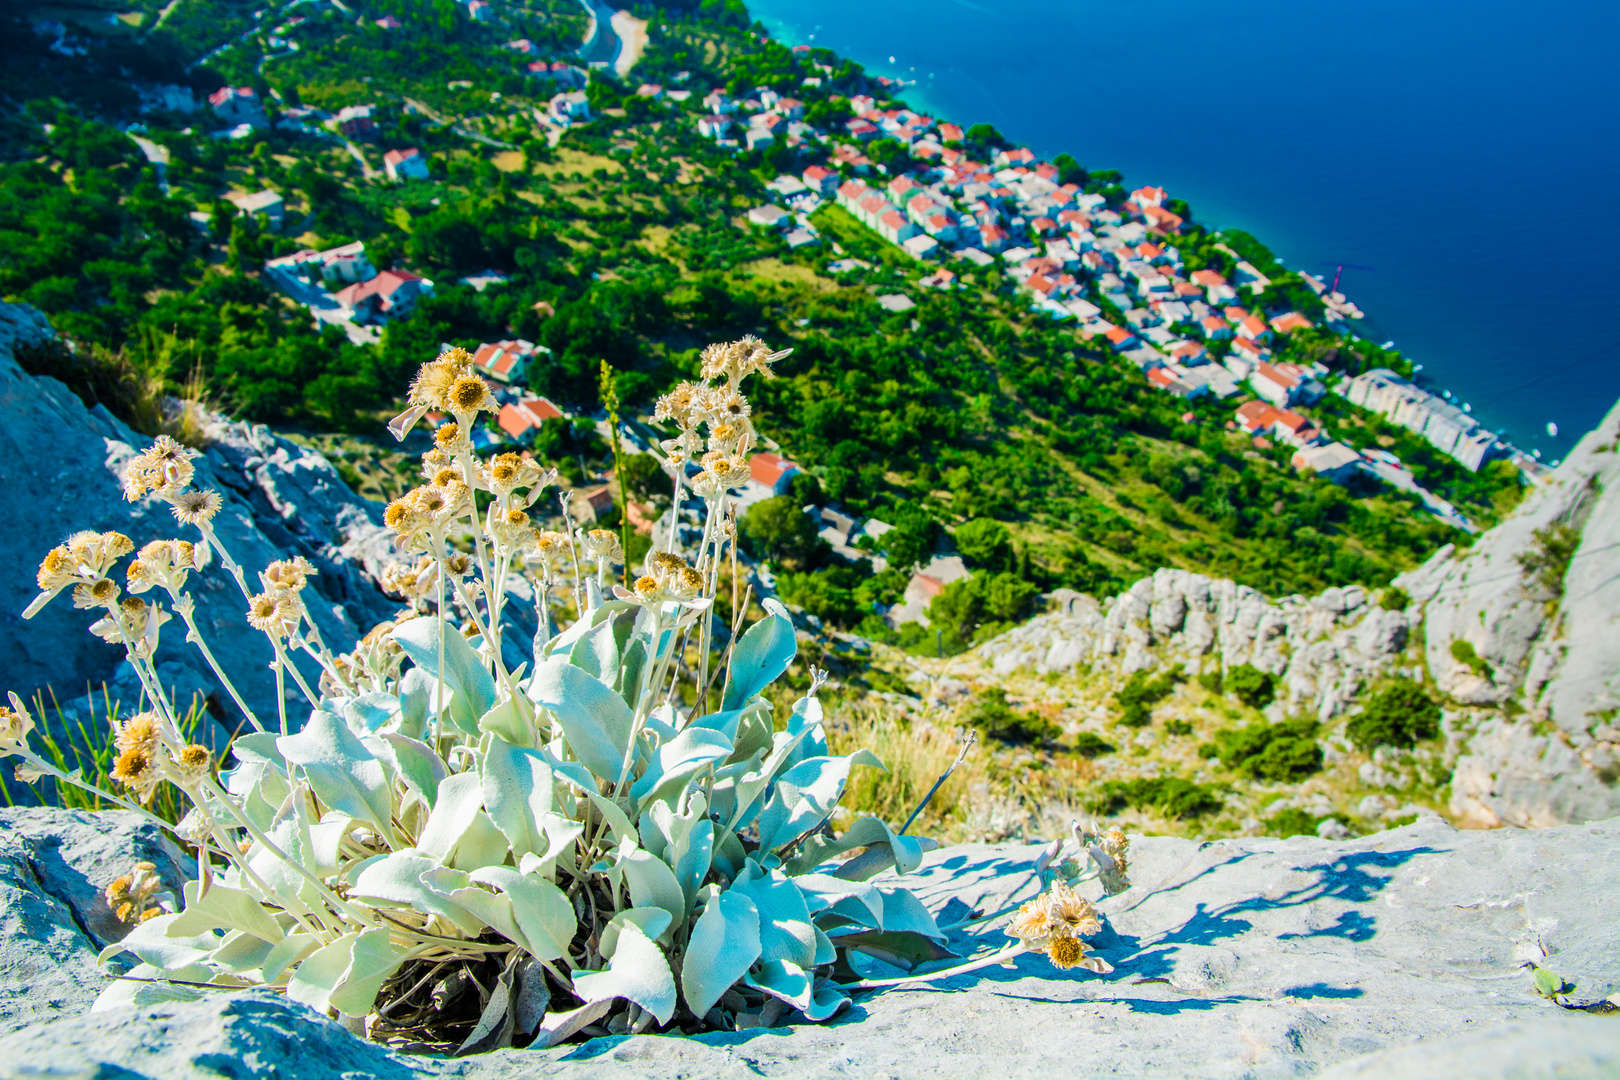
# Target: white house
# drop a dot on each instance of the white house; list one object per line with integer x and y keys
{"x": 1332, "y": 461}
{"x": 568, "y": 107}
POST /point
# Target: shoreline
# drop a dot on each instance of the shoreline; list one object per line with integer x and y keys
{"x": 1440, "y": 295}
{"x": 1530, "y": 461}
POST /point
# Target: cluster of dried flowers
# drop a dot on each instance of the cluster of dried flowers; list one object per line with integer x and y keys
{"x": 456, "y": 851}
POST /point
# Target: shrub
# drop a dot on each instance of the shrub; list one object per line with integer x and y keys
{"x": 998, "y": 720}
{"x": 1400, "y": 715}
{"x": 1253, "y": 687}
{"x": 1395, "y": 599}
{"x": 1463, "y": 650}
{"x": 1283, "y": 751}
{"x": 1090, "y": 745}
{"x": 1547, "y": 561}
{"x": 1212, "y": 681}
{"x": 1172, "y": 796}
{"x": 448, "y": 843}
{"x": 1177, "y": 727}
{"x": 1296, "y": 822}
{"x": 1140, "y": 693}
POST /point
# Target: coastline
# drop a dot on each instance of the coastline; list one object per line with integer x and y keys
{"x": 1334, "y": 174}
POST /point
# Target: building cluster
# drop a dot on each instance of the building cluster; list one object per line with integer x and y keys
{"x": 1449, "y": 429}
{"x": 240, "y": 110}
{"x": 754, "y": 121}
{"x": 341, "y": 281}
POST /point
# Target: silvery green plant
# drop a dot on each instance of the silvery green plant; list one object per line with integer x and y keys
{"x": 454, "y": 853}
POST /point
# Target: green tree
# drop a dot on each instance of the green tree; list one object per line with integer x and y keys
{"x": 644, "y": 478}
{"x": 1400, "y": 715}
{"x": 911, "y": 542}
{"x": 1253, "y": 687}
{"x": 1069, "y": 170}
{"x": 987, "y": 543}
{"x": 778, "y": 529}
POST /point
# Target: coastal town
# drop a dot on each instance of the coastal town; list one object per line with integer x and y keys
{"x": 1191, "y": 334}
{"x": 832, "y": 173}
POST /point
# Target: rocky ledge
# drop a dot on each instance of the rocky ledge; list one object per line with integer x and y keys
{"x": 61, "y": 468}
{"x": 1395, "y": 955}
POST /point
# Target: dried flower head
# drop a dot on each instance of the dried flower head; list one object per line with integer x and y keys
{"x": 680, "y": 405}
{"x": 289, "y": 574}
{"x": 15, "y": 724}
{"x": 447, "y": 436}
{"x": 431, "y": 387}
{"x": 98, "y": 593}
{"x": 469, "y": 394}
{"x": 434, "y": 460}
{"x": 1066, "y": 952}
{"x": 130, "y": 895}
{"x": 164, "y": 467}
{"x": 57, "y": 569}
{"x": 135, "y": 770}
{"x": 138, "y": 732}
{"x": 662, "y": 564}
{"x": 747, "y": 356}
{"x": 686, "y": 584}
{"x": 196, "y": 507}
{"x": 275, "y": 613}
{"x": 193, "y": 764}
{"x": 603, "y": 545}
{"x": 1059, "y": 913}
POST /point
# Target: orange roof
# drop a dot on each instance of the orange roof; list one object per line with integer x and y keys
{"x": 1254, "y": 415}
{"x": 1208, "y": 278}
{"x": 1160, "y": 376}
{"x": 1290, "y": 322}
{"x": 1290, "y": 420}
{"x": 517, "y": 420}
{"x": 1279, "y": 374}
{"x": 768, "y": 468}
{"x": 1119, "y": 335}
{"x": 1236, "y": 314}
{"x": 1253, "y": 326}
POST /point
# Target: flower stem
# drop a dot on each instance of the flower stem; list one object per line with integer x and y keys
{"x": 1000, "y": 956}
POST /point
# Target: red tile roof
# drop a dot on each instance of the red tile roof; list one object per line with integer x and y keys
{"x": 768, "y": 468}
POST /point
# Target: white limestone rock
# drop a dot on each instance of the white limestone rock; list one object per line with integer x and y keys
{"x": 54, "y": 865}
{"x": 60, "y": 471}
{"x": 1392, "y": 955}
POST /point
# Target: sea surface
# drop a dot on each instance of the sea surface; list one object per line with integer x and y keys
{"x": 1461, "y": 160}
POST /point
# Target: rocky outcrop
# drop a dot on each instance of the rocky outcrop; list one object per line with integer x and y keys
{"x": 60, "y": 469}
{"x": 1395, "y": 955}
{"x": 54, "y": 865}
{"x": 1323, "y": 650}
{"x": 1555, "y": 650}
{"x": 1547, "y": 642}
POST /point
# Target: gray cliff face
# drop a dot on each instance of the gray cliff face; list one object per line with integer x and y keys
{"x": 60, "y": 470}
{"x": 1394, "y": 956}
{"x": 1554, "y": 660}
{"x": 1560, "y": 657}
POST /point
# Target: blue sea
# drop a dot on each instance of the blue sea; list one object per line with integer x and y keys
{"x": 1461, "y": 159}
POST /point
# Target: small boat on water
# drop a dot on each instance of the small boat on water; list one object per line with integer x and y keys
{"x": 1552, "y": 429}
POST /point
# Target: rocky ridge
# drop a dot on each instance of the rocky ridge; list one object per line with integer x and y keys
{"x": 60, "y": 470}
{"x": 1530, "y": 731}
{"x": 1397, "y": 955}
